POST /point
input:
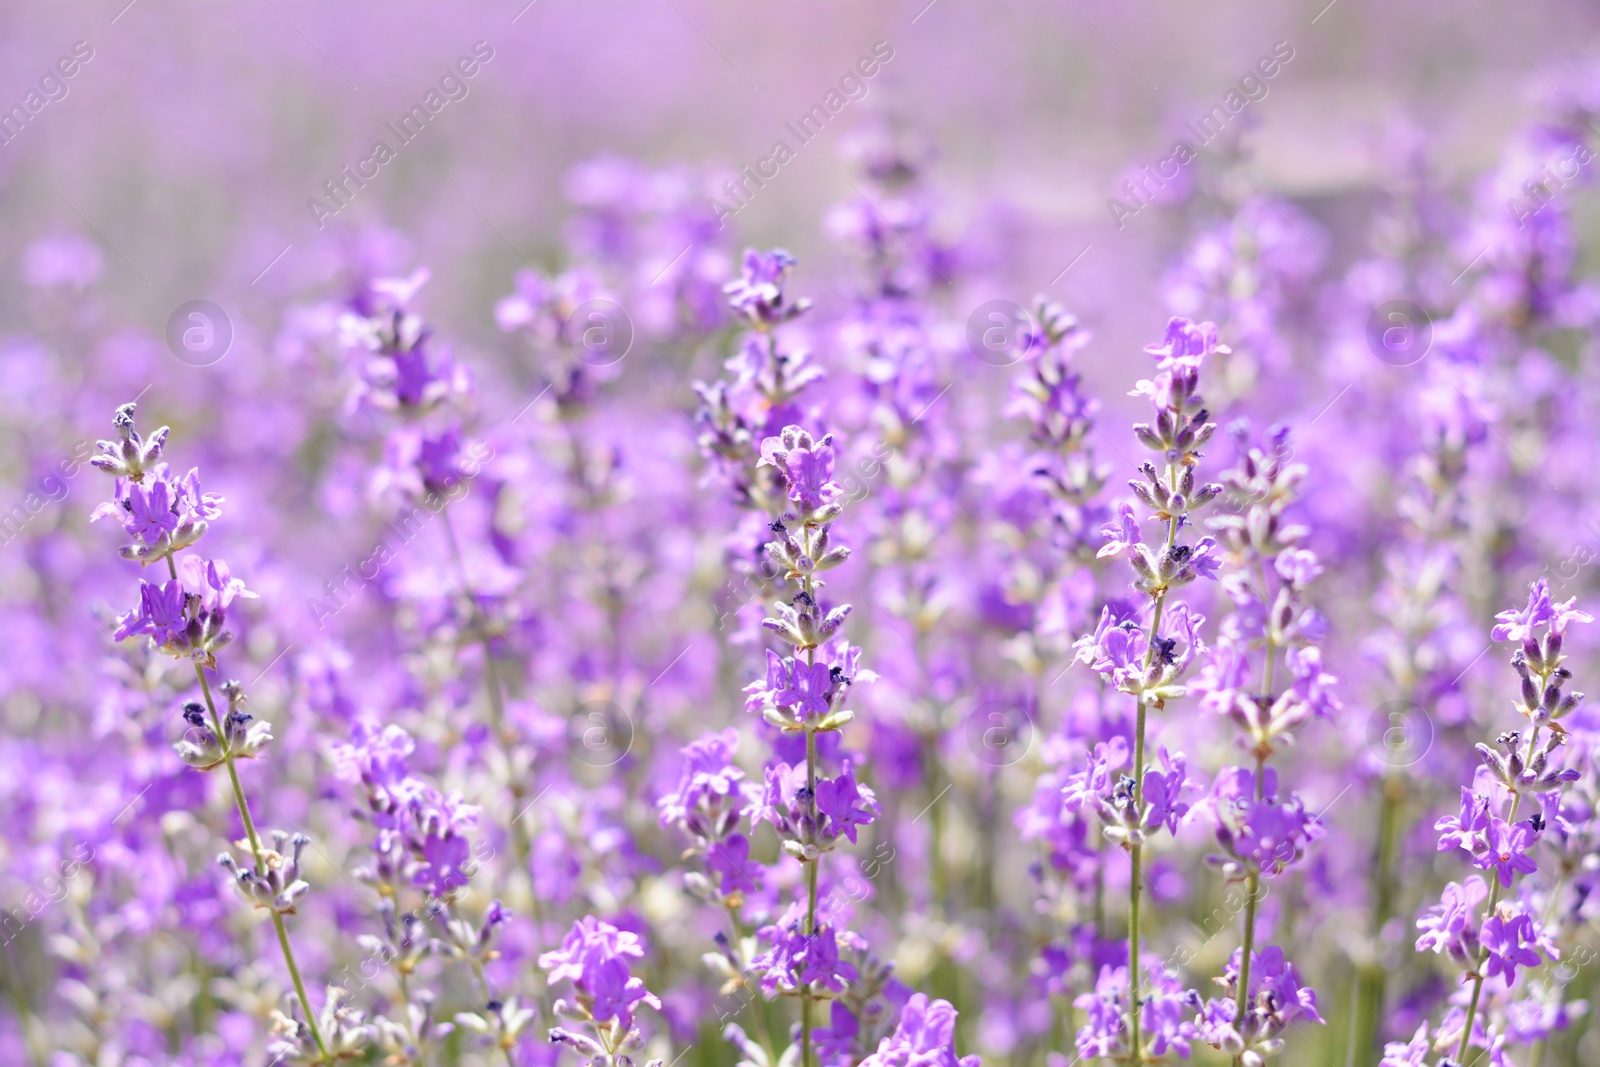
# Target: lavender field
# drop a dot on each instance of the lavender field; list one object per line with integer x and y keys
{"x": 666, "y": 533}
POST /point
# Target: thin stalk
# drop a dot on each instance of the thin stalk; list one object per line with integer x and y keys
{"x": 1247, "y": 943}
{"x": 1135, "y": 888}
{"x": 757, "y": 1015}
{"x": 255, "y": 849}
{"x": 1136, "y": 850}
{"x": 1242, "y": 996}
{"x": 520, "y": 846}
{"x": 1494, "y": 900}
{"x": 1372, "y": 981}
{"x": 811, "y": 899}
{"x": 491, "y": 677}
{"x": 811, "y": 867}
{"x": 488, "y": 993}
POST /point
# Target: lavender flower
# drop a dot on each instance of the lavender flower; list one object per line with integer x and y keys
{"x": 1510, "y": 935}
{"x": 594, "y": 958}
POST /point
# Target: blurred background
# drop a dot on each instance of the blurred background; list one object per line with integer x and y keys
{"x": 203, "y": 151}
{"x": 188, "y": 146}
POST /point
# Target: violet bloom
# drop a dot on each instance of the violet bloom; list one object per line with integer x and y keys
{"x": 1274, "y": 1002}
{"x": 160, "y": 613}
{"x": 808, "y": 691}
{"x": 793, "y": 959}
{"x": 1518, "y": 624}
{"x": 842, "y": 805}
{"x": 594, "y": 957}
{"x": 845, "y": 804}
{"x": 1507, "y": 850}
{"x": 806, "y": 464}
{"x": 1464, "y": 830}
{"x": 434, "y": 831}
{"x": 1451, "y": 926}
{"x": 712, "y": 793}
{"x": 758, "y": 293}
{"x": 1413, "y": 1053}
{"x": 151, "y": 512}
{"x": 1166, "y": 1018}
{"x": 730, "y": 858}
{"x": 1121, "y": 534}
{"x": 924, "y": 1037}
{"x": 837, "y": 1040}
{"x": 213, "y": 582}
{"x": 1509, "y": 940}
{"x": 1186, "y": 345}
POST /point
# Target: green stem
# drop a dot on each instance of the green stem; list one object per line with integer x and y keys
{"x": 811, "y": 900}
{"x": 1253, "y": 887}
{"x": 255, "y": 851}
{"x": 1494, "y": 900}
{"x": 491, "y": 677}
{"x": 1372, "y": 981}
{"x": 255, "y": 847}
{"x": 1136, "y": 849}
{"x": 816, "y": 861}
{"x": 1136, "y": 884}
{"x": 1253, "y": 883}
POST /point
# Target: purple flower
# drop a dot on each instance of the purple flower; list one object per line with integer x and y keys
{"x": 1463, "y": 830}
{"x": 1095, "y": 783}
{"x": 1273, "y": 974}
{"x": 1312, "y": 686}
{"x": 1451, "y": 926}
{"x": 1162, "y": 787}
{"x": 1298, "y": 566}
{"x": 213, "y": 582}
{"x": 1413, "y": 1053}
{"x": 1266, "y": 834}
{"x": 837, "y": 802}
{"x": 758, "y": 291}
{"x": 792, "y": 958}
{"x": 924, "y": 1037}
{"x": 730, "y": 858}
{"x": 594, "y": 957}
{"x": 1519, "y": 625}
{"x": 837, "y": 1040}
{"x": 1507, "y": 850}
{"x": 1121, "y": 534}
{"x": 806, "y": 464}
{"x": 1186, "y": 345}
{"x": 712, "y": 794}
{"x": 377, "y": 758}
{"x": 808, "y": 689}
{"x": 432, "y": 826}
{"x": 1166, "y": 1018}
{"x": 1204, "y": 558}
{"x": 767, "y": 689}
{"x": 152, "y": 513}
{"x": 1508, "y": 940}
{"x": 444, "y": 864}
{"x": 160, "y": 613}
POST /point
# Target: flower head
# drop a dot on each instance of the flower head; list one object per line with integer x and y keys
{"x": 594, "y": 958}
{"x": 924, "y": 1037}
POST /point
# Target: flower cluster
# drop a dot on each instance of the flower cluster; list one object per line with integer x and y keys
{"x": 638, "y": 715}
{"x": 1492, "y": 925}
{"x": 421, "y": 834}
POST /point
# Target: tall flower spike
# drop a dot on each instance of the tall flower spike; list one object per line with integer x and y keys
{"x": 1261, "y": 832}
{"x": 185, "y": 617}
{"x": 1149, "y": 659}
{"x": 1519, "y": 773}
